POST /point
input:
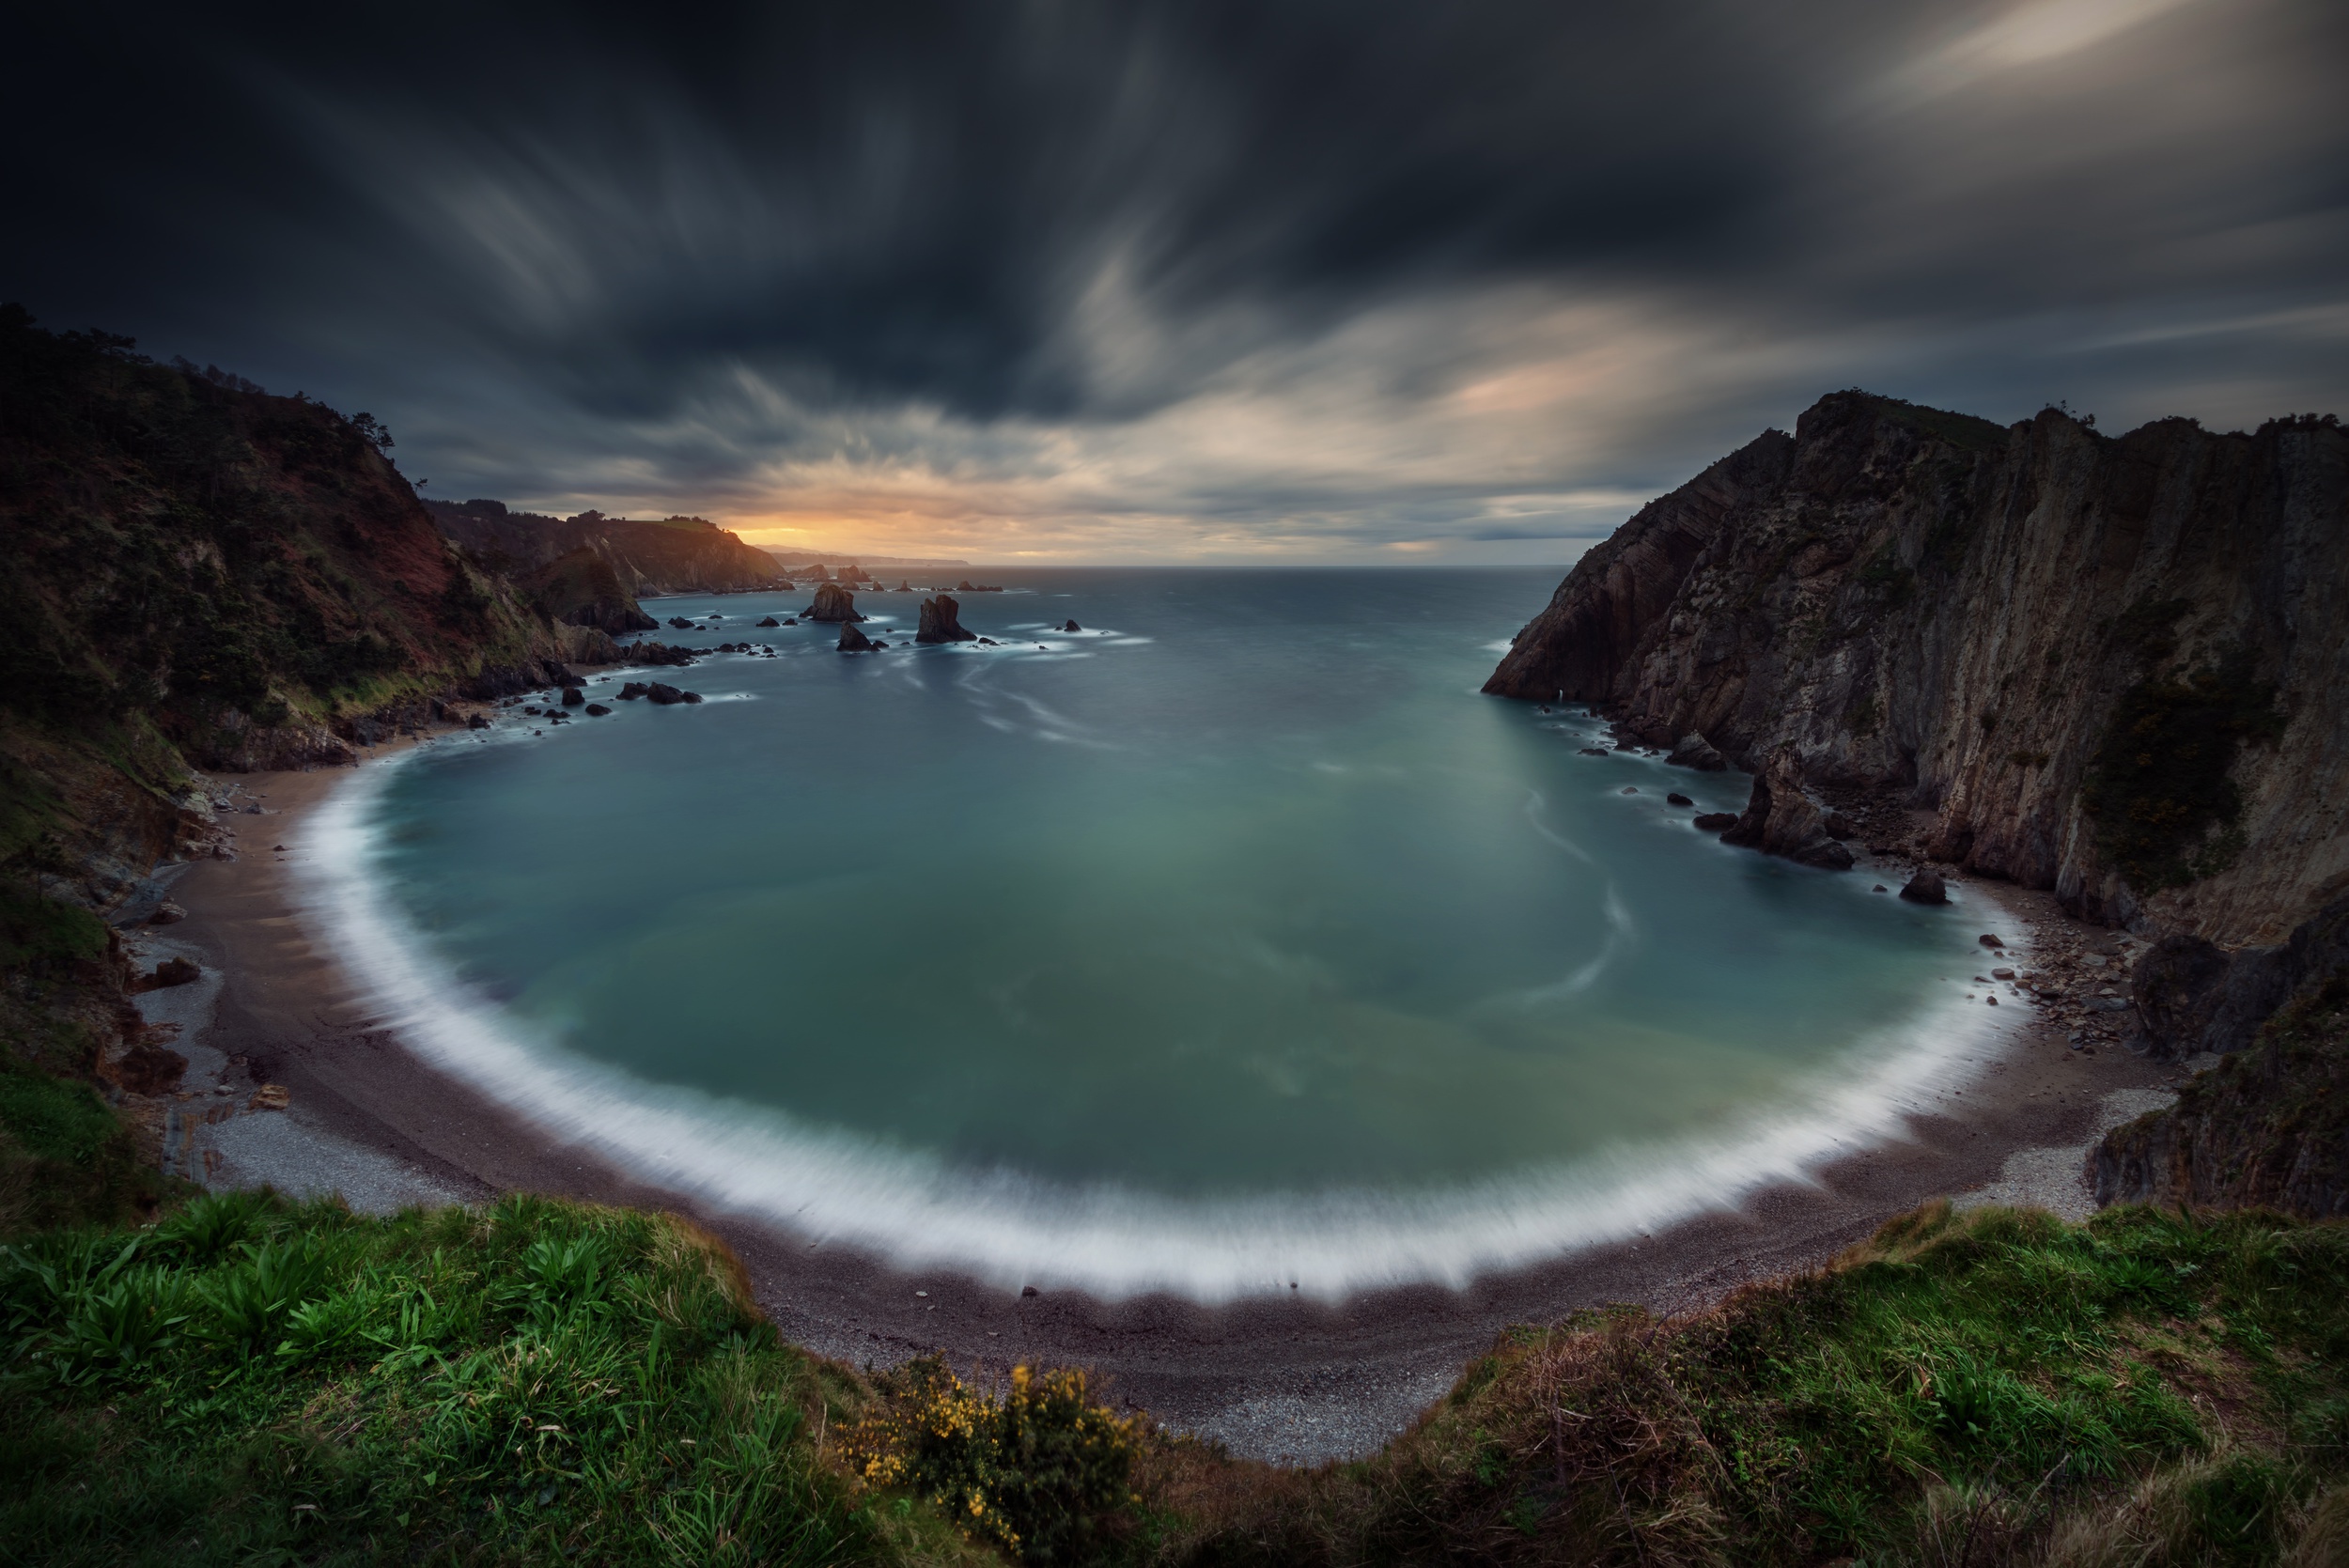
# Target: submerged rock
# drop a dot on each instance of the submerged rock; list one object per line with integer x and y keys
{"x": 940, "y": 622}
{"x": 1926, "y": 887}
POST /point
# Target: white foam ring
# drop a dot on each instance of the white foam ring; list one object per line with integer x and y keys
{"x": 1010, "y": 1229}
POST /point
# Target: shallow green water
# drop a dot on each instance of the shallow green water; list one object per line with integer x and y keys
{"x": 1242, "y": 897}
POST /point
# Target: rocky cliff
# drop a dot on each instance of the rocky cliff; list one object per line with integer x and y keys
{"x": 676, "y": 555}
{"x": 2108, "y": 665}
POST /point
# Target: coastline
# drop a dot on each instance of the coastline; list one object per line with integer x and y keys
{"x": 1277, "y": 1378}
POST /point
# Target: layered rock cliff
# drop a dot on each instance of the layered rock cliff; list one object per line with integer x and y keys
{"x": 675, "y": 555}
{"x": 2110, "y": 665}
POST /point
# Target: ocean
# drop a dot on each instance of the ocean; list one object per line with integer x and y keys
{"x": 1233, "y": 942}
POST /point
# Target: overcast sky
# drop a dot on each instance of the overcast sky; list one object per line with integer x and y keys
{"x": 1378, "y": 280}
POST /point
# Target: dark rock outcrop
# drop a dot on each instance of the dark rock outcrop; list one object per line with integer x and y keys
{"x": 655, "y": 653}
{"x": 833, "y": 603}
{"x": 940, "y": 622}
{"x": 1926, "y": 887}
{"x": 634, "y": 689}
{"x": 666, "y": 695}
{"x": 1674, "y": 797}
{"x": 1781, "y": 819}
{"x": 597, "y": 710}
{"x": 1071, "y": 626}
{"x": 1983, "y": 618}
{"x": 580, "y": 588}
{"x": 770, "y": 621}
{"x": 854, "y": 641}
{"x": 1695, "y": 750}
{"x": 171, "y": 972}
{"x": 2269, "y": 1127}
{"x": 1716, "y": 821}
{"x": 573, "y": 696}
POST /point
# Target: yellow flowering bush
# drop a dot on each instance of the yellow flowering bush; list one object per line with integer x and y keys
{"x": 1042, "y": 1471}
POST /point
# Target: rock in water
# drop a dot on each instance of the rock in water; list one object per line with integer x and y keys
{"x": 853, "y": 640}
{"x": 680, "y": 623}
{"x": 1925, "y": 888}
{"x": 1717, "y": 821}
{"x": 597, "y": 710}
{"x": 634, "y": 689}
{"x": 833, "y": 603}
{"x": 573, "y": 696}
{"x": 1676, "y": 799}
{"x": 771, "y": 621}
{"x": 940, "y": 622}
{"x": 666, "y": 695}
{"x": 1695, "y": 750}
{"x": 478, "y": 722}
{"x": 1072, "y": 627}
{"x": 1779, "y": 819}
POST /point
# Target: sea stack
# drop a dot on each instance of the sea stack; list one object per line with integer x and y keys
{"x": 833, "y": 603}
{"x": 940, "y": 622}
{"x": 853, "y": 640}
{"x": 1779, "y": 819}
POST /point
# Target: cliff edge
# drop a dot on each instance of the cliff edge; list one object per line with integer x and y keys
{"x": 2110, "y": 665}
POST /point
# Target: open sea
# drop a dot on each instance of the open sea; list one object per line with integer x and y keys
{"x": 1232, "y": 943}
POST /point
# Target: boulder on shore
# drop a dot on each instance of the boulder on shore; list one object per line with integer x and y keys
{"x": 833, "y": 603}
{"x": 1780, "y": 819}
{"x": 1925, "y": 888}
{"x": 940, "y": 622}
{"x": 853, "y": 640}
{"x": 1695, "y": 750}
{"x": 171, "y": 972}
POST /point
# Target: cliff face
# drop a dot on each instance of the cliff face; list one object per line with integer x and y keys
{"x": 680, "y": 555}
{"x": 2111, "y": 665}
{"x": 2269, "y": 1127}
{"x": 199, "y": 572}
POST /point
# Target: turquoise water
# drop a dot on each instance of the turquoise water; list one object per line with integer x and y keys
{"x": 1238, "y": 919}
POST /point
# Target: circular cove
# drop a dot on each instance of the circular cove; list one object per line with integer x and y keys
{"x": 1231, "y": 942}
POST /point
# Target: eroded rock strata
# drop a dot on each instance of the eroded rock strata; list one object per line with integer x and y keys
{"x": 2108, "y": 666}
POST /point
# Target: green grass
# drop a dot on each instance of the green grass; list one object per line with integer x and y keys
{"x": 253, "y": 1382}
{"x": 1997, "y": 1380}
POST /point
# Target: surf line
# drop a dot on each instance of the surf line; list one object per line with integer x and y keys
{"x": 915, "y": 1210}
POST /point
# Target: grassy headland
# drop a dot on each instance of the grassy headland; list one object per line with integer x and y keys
{"x": 252, "y": 1381}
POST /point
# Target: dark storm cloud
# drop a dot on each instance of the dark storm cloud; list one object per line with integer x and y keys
{"x": 1169, "y": 279}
